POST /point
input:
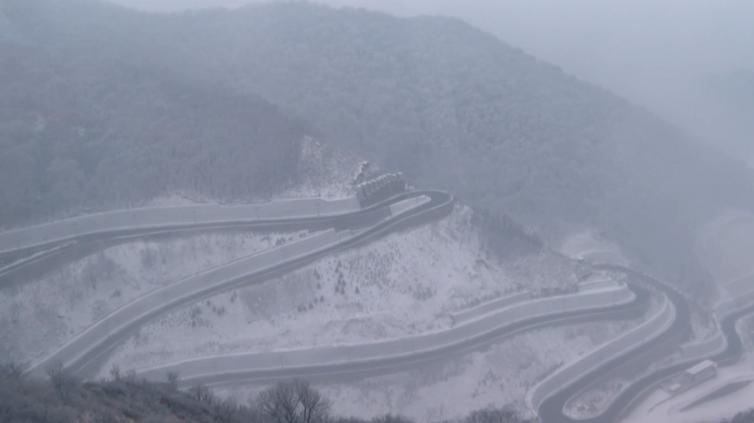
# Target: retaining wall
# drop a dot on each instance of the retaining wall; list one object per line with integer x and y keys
{"x": 396, "y": 349}
{"x": 705, "y": 348}
{"x": 564, "y": 376}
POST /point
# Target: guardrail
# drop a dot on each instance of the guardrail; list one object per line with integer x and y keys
{"x": 601, "y": 283}
{"x": 78, "y": 354}
{"x": 704, "y": 348}
{"x": 410, "y": 203}
{"x": 161, "y": 217}
{"x": 488, "y": 307}
{"x": 212, "y": 370}
{"x": 641, "y": 335}
{"x": 178, "y": 293}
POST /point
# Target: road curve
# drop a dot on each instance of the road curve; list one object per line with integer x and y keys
{"x": 128, "y": 221}
{"x": 648, "y": 331}
{"x": 27, "y": 252}
{"x": 26, "y": 247}
{"x": 397, "y": 353}
{"x": 551, "y": 410}
{"x": 83, "y": 354}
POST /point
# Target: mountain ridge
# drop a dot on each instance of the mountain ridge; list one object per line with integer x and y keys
{"x": 82, "y": 127}
{"x": 453, "y": 107}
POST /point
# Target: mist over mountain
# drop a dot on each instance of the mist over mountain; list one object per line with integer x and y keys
{"x": 82, "y": 125}
{"x": 729, "y": 97}
{"x": 658, "y": 54}
{"x": 221, "y": 213}
{"x": 454, "y": 107}
{"x": 447, "y": 104}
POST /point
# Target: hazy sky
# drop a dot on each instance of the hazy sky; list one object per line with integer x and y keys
{"x": 654, "y": 52}
{"x": 623, "y": 44}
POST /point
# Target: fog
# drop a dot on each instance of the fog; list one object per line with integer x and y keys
{"x": 450, "y": 211}
{"x": 671, "y": 56}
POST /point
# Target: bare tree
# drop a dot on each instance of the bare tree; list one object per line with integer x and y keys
{"x": 115, "y": 373}
{"x": 279, "y": 403}
{"x": 225, "y": 410}
{"x": 314, "y": 407}
{"x": 172, "y": 378}
{"x": 494, "y": 415}
{"x": 390, "y": 418}
{"x": 12, "y": 371}
{"x": 63, "y": 382}
{"x": 202, "y": 394}
{"x": 294, "y": 402}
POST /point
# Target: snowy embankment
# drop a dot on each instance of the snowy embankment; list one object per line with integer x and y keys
{"x": 687, "y": 407}
{"x": 66, "y": 300}
{"x": 494, "y": 376}
{"x": 141, "y": 220}
{"x": 403, "y": 285}
{"x": 214, "y": 369}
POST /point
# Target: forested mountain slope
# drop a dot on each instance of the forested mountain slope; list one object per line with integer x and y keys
{"x": 82, "y": 125}
{"x": 447, "y": 104}
{"x": 457, "y": 108}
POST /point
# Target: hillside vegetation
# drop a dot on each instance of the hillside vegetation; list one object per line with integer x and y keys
{"x": 455, "y": 107}
{"x": 447, "y": 104}
{"x": 124, "y": 398}
{"x": 742, "y": 417}
{"x": 82, "y": 125}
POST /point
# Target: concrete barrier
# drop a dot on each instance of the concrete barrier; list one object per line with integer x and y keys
{"x": 597, "y": 284}
{"x": 391, "y": 350}
{"x": 408, "y": 204}
{"x": 488, "y": 307}
{"x": 158, "y": 217}
{"x": 81, "y": 355}
{"x": 703, "y": 349}
{"x": 180, "y": 292}
{"x": 563, "y": 377}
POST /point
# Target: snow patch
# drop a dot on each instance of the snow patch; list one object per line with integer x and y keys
{"x": 66, "y": 300}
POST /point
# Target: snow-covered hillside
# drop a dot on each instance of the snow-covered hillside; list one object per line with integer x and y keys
{"x": 66, "y": 300}
{"x": 402, "y": 285}
{"x": 498, "y": 375}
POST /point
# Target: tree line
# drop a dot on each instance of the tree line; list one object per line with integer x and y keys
{"x": 62, "y": 398}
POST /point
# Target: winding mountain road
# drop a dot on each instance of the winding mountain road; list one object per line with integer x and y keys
{"x": 349, "y": 226}
{"x": 30, "y": 246}
{"x": 552, "y": 409}
{"x": 394, "y": 354}
{"x": 83, "y": 354}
